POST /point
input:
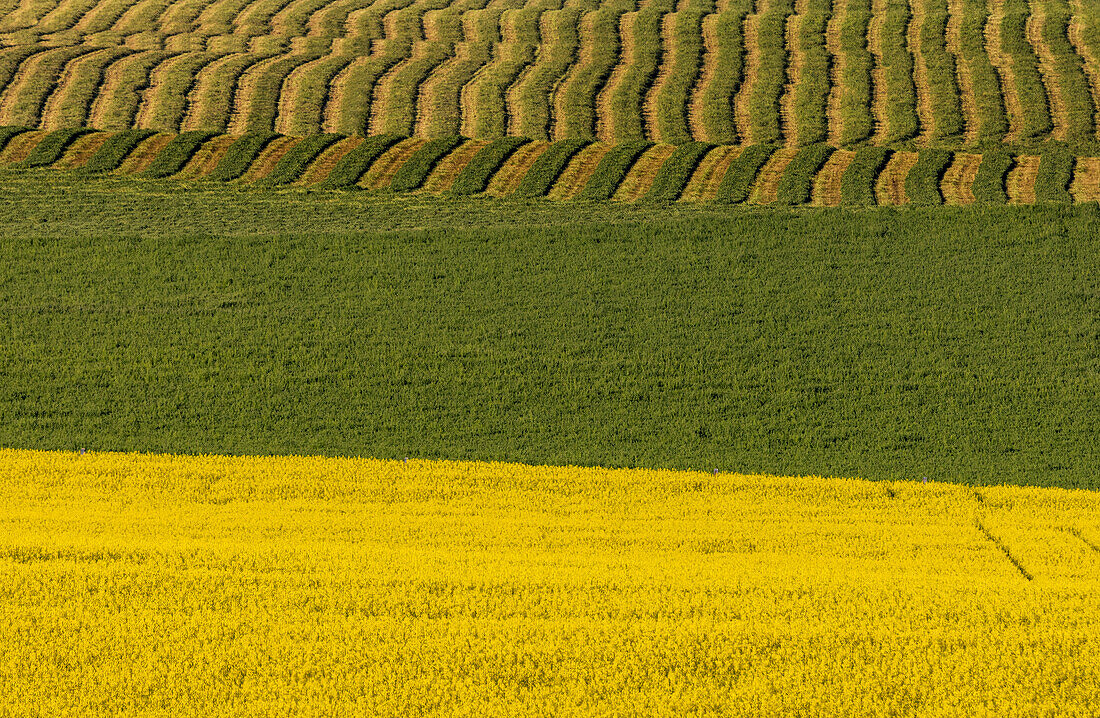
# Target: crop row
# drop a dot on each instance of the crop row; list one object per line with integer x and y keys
{"x": 758, "y": 174}
{"x": 845, "y": 72}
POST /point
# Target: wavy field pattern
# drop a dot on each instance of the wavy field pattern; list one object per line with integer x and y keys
{"x": 850, "y": 72}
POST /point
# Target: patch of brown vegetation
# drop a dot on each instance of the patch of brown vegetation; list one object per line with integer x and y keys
{"x": 381, "y": 172}
{"x": 443, "y": 175}
{"x": 827, "y": 183}
{"x": 579, "y": 170}
{"x": 640, "y": 177}
{"x": 703, "y": 185}
{"x": 1085, "y": 186}
{"x": 20, "y": 146}
{"x": 207, "y": 158}
{"x": 957, "y": 186}
{"x": 515, "y": 168}
{"x": 269, "y": 158}
{"x": 81, "y": 150}
{"x": 890, "y": 185}
{"x": 143, "y": 155}
{"x": 766, "y": 188}
{"x": 323, "y": 165}
{"x": 1020, "y": 182}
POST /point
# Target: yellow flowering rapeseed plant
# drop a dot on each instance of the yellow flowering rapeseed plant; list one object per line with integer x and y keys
{"x": 198, "y": 586}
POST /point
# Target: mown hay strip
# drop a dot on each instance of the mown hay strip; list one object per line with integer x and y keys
{"x": 640, "y": 177}
{"x": 443, "y": 174}
{"x": 666, "y": 51}
{"x": 925, "y": 112}
{"x": 269, "y": 158}
{"x": 827, "y": 183}
{"x": 1002, "y": 63}
{"x": 703, "y": 185}
{"x": 81, "y": 150}
{"x": 880, "y": 120}
{"x": 788, "y": 127}
{"x": 1086, "y": 43}
{"x": 19, "y": 147}
{"x": 144, "y": 154}
{"x": 579, "y": 170}
{"x": 890, "y": 185}
{"x": 508, "y": 177}
{"x": 957, "y": 186}
{"x": 766, "y": 187}
{"x": 837, "y": 60}
{"x": 115, "y": 106}
{"x": 606, "y": 130}
{"x": 1048, "y": 69}
{"x": 207, "y": 158}
{"x": 1020, "y": 183}
{"x": 1086, "y": 180}
{"x": 319, "y": 170}
{"x": 742, "y": 102}
{"x": 955, "y": 9}
{"x": 381, "y": 172}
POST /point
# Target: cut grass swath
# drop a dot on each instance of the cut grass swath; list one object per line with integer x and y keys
{"x": 241, "y": 155}
{"x": 1055, "y": 175}
{"x": 722, "y": 74}
{"x": 922, "y": 184}
{"x": 797, "y": 182}
{"x": 355, "y": 164}
{"x": 812, "y": 93}
{"x": 611, "y": 170}
{"x": 737, "y": 183}
{"x": 948, "y": 120}
{"x": 856, "y": 96}
{"x": 675, "y": 172}
{"x": 857, "y": 187}
{"x": 548, "y": 168}
{"x": 475, "y": 176}
{"x": 7, "y": 133}
{"x": 176, "y": 153}
{"x": 110, "y": 156}
{"x": 989, "y": 183}
{"x": 412, "y": 173}
{"x": 771, "y": 76}
{"x": 52, "y": 147}
{"x": 974, "y": 33}
{"x": 294, "y": 163}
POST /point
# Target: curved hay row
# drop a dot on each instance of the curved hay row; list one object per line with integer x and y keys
{"x": 766, "y": 187}
{"x": 586, "y": 43}
{"x": 443, "y": 175}
{"x": 505, "y": 181}
{"x": 69, "y": 103}
{"x": 207, "y": 157}
{"x": 955, "y": 11}
{"x": 707, "y": 72}
{"x": 163, "y": 102}
{"x": 666, "y": 53}
{"x": 144, "y": 154}
{"x": 21, "y": 101}
{"x": 1048, "y": 69}
{"x": 878, "y": 72}
{"x": 115, "y": 107}
{"x": 81, "y": 150}
{"x": 704, "y": 182}
{"x": 269, "y": 158}
{"x": 788, "y": 127}
{"x": 319, "y": 170}
{"x": 640, "y": 177}
{"x": 381, "y": 172}
{"x": 836, "y": 71}
{"x": 826, "y": 192}
{"x": 925, "y": 112}
{"x": 890, "y": 184}
{"x": 605, "y": 121}
{"x": 579, "y": 170}
{"x": 1076, "y": 35}
{"x": 1085, "y": 186}
{"x": 957, "y": 186}
{"x": 20, "y": 146}
{"x": 742, "y": 102}
{"x": 1003, "y": 65}
{"x": 1020, "y": 182}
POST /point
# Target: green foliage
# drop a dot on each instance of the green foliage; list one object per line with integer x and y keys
{"x": 295, "y": 162}
{"x": 475, "y": 176}
{"x": 737, "y": 183}
{"x": 797, "y": 183}
{"x": 548, "y": 167}
{"x": 355, "y": 164}
{"x": 240, "y": 155}
{"x": 1074, "y": 85}
{"x": 675, "y": 172}
{"x": 111, "y": 154}
{"x": 922, "y": 184}
{"x": 684, "y": 61}
{"x": 611, "y": 170}
{"x": 161, "y": 316}
{"x": 7, "y": 133}
{"x": 855, "y": 100}
{"x": 52, "y": 147}
{"x": 989, "y": 183}
{"x": 176, "y": 153}
{"x": 416, "y": 169}
{"x": 857, "y": 186}
{"x": 1055, "y": 174}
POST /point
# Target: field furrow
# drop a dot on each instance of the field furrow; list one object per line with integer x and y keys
{"x": 766, "y": 186}
{"x": 267, "y": 160}
{"x": 1048, "y": 69}
{"x": 531, "y": 107}
{"x": 319, "y": 170}
{"x": 1020, "y": 183}
{"x": 742, "y": 103}
{"x": 381, "y": 172}
{"x": 957, "y": 186}
{"x": 1086, "y": 180}
{"x": 508, "y": 177}
{"x": 640, "y": 177}
{"x": 579, "y": 170}
{"x": 710, "y": 113}
{"x": 890, "y": 184}
{"x": 826, "y": 192}
{"x": 143, "y": 155}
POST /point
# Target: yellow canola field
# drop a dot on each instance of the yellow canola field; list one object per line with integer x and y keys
{"x": 198, "y": 586}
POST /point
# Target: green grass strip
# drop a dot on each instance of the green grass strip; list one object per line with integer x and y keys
{"x": 548, "y": 167}
{"x": 240, "y": 155}
{"x": 684, "y": 60}
{"x": 1076, "y": 94}
{"x": 52, "y": 147}
{"x": 989, "y": 183}
{"x": 8, "y": 133}
{"x": 355, "y": 164}
{"x": 412, "y": 174}
{"x": 922, "y": 184}
{"x": 578, "y": 118}
{"x": 475, "y": 176}
{"x": 676, "y": 171}
{"x": 1055, "y": 174}
{"x": 295, "y": 162}
{"x": 117, "y": 147}
{"x": 176, "y": 153}
{"x": 737, "y": 182}
{"x": 857, "y": 186}
{"x": 628, "y": 101}
{"x": 797, "y": 183}
{"x": 611, "y": 170}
